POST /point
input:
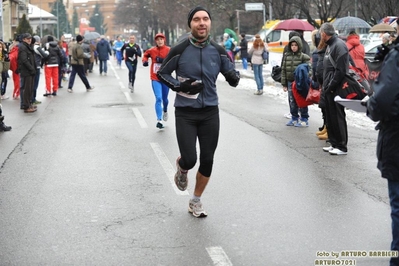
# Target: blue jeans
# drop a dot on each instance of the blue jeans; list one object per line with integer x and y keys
{"x": 393, "y": 190}
{"x": 132, "y": 71}
{"x": 103, "y": 66}
{"x": 258, "y": 69}
{"x": 4, "y": 77}
{"x": 78, "y": 69}
{"x": 161, "y": 92}
{"x": 294, "y": 109}
{"x": 244, "y": 63}
{"x": 36, "y": 84}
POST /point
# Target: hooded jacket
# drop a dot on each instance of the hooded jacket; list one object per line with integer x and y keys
{"x": 356, "y": 51}
{"x": 103, "y": 49}
{"x": 55, "y": 56}
{"x": 291, "y": 60}
{"x": 26, "y": 60}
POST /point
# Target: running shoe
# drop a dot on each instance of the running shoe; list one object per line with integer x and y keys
{"x": 196, "y": 209}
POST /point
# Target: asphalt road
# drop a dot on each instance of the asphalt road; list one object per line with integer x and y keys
{"x": 88, "y": 180}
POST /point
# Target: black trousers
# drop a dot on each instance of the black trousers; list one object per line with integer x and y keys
{"x": 201, "y": 123}
{"x": 337, "y": 128}
{"x": 27, "y": 84}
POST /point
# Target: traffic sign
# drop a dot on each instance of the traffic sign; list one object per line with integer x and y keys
{"x": 254, "y": 6}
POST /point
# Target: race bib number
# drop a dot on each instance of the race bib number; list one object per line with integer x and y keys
{"x": 156, "y": 67}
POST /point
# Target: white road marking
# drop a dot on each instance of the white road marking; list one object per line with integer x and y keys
{"x": 139, "y": 117}
{"x": 167, "y": 167}
{"x": 128, "y": 98}
{"x": 218, "y": 256}
{"x": 122, "y": 85}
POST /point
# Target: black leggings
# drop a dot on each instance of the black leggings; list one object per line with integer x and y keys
{"x": 202, "y": 123}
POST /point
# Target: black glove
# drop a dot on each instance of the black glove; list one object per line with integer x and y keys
{"x": 6, "y": 57}
{"x": 33, "y": 73}
{"x": 232, "y": 77}
{"x": 145, "y": 64}
{"x": 190, "y": 86}
{"x": 158, "y": 59}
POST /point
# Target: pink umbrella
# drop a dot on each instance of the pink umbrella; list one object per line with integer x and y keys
{"x": 295, "y": 24}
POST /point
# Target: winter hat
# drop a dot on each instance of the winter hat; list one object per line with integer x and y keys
{"x": 26, "y": 36}
{"x": 37, "y": 38}
{"x": 159, "y": 35}
{"x": 195, "y": 10}
{"x": 79, "y": 38}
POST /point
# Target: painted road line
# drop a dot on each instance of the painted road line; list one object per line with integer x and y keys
{"x": 167, "y": 167}
{"x": 121, "y": 85}
{"x": 218, "y": 256}
{"x": 128, "y": 98}
{"x": 139, "y": 117}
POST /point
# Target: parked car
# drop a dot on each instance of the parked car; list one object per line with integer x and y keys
{"x": 371, "y": 49}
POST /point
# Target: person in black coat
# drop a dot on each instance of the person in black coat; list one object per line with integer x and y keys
{"x": 244, "y": 51}
{"x": 383, "y": 106}
{"x": 27, "y": 72}
{"x": 336, "y": 65}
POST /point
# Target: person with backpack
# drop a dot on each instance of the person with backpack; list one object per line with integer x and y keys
{"x": 356, "y": 52}
{"x": 229, "y": 45}
{"x": 291, "y": 60}
{"x": 255, "y": 53}
{"x": 51, "y": 65}
{"x": 197, "y": 62}
{"x": 78, "y": 65}
{"x": 336, "y": 65}
{"x": 383, "y": 107}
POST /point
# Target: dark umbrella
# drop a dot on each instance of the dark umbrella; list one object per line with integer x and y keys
{"x": 92, "y": 35}
{"x": 44, "y": 40}
{"x": 295, "y": 24}
{"x": 347, "y": 24}
{"x": 382, "y": 28}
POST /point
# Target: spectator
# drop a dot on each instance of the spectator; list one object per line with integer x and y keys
{"x": 383, "y": 107}
{"x": 257, "y": 62}
{"x": 229, "y": 44}
{"x": 78, "y": 65}
{"x": 51, "y": 67}
{"x": 244, "y": 51}
{"x": 104, "y": 52}
{"x": 336, "y": 65}
{"x": 383, "y": 49}
{"x": 27, "y": 70}
{"x": 356, "y": 51}
{"x": 291, "y": 60}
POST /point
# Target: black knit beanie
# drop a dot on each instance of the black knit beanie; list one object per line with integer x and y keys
{"x": 195, "y": 10}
